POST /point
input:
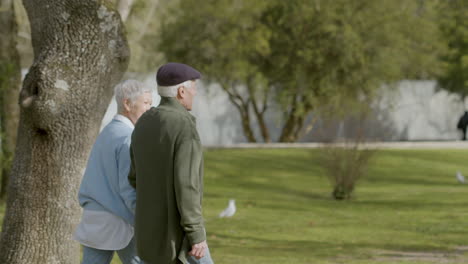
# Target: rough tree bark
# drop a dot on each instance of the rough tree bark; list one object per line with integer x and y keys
{"x": 80, "y": 53}
{"x": 10, "y": 80}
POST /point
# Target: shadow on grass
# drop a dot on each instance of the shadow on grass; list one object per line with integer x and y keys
{"x": 254, "y": 246}
{"x": 277, "y": 190}
{"x": 261, "y": 162}
{"x": 265, "y": 174}
{"x": 408, "y": 181}
{"x": 408, "y": 204}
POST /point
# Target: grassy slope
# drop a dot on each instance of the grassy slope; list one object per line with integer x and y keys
{"x": 409, "y": 202}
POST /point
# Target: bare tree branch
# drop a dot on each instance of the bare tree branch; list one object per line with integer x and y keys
{"x": 144, "y": 27}
{"x": 124, "y": 7}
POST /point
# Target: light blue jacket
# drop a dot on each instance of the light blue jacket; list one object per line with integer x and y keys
{"x": 105, "y": 184}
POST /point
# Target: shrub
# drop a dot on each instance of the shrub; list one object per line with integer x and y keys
{"x": 345, "y": 164}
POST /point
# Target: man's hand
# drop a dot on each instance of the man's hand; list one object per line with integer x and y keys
{"x": 198, "y": 250}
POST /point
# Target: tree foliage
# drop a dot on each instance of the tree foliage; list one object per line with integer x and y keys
{"x": 10, "y": 79}
{"x": 300, "y": 54}
{"x": 226, "y": 40}
{"x": 454, "y": 26}
{"x": 143, "y": 28}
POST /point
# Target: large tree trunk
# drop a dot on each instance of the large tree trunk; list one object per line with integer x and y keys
{"x": 80, "y": 53}
{"x": 10, "y": 80}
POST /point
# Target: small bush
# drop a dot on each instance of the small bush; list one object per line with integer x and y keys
{"x": 344, "y": 166}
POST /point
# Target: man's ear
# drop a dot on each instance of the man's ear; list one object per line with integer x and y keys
{"x": 127, "y": 105}
{"x": 181, "y": 92}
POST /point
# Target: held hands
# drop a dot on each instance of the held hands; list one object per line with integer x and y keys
{"x": 198, "y": 250}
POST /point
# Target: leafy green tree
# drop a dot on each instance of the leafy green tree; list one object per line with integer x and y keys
{"x": 454, "y": 26}
{"x": 330, "y": 52}
{"x": 301, "y": 54}
{"x": 225, "y": 40}
{"x": 10, "y": 80}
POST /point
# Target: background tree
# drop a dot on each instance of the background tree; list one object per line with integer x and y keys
{"x": 10, "y": 80}
{"x": 226, "y": 40}
{"x": 454, "y": 26}
{"x": 143, "y": 27}
{"x": 80, "y": 53}
{"x": 300, "y": 54}
{"x": 331, "y": 52}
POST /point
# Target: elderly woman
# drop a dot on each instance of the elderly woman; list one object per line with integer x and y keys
{"x": 105, "y": 194}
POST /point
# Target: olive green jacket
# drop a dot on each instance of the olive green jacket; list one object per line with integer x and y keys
{"x": 167, "y": 172}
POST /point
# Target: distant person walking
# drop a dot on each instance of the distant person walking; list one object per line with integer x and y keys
{"x": 105, "y": 194}
{"x": 463, "y": 123}
{"x": 167, "y": 172}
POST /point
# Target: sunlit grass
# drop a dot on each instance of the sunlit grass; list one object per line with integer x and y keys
{"x": 410, "y": 202}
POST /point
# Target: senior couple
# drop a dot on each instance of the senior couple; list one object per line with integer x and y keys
{"x": 142, "y": 189}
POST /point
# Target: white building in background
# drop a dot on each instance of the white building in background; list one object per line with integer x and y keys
{"x": 415, "y": 111}
{"x": 422, "y": 112}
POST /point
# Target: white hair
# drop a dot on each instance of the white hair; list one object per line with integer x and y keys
{"x": 131, "y": 90}
{"x": 171, "y": 91}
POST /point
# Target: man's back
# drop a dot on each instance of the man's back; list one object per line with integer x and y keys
{"x": 164, "y": 140}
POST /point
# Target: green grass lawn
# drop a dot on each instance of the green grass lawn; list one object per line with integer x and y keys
{"x": 408, "y": 209}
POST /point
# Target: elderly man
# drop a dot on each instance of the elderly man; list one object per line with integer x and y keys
{"x": 167, "y": 172}
{"x": 105, "y": 194}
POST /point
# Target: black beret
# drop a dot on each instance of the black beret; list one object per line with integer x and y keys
{"x": 174, "y": 73}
